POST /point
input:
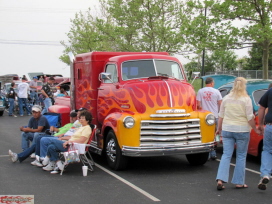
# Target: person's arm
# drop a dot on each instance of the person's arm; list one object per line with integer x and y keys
{"x": 80, "y": 140}
{"x": 199, "y": 107}
{"x": 219, "y": 104}
{"x": 28, "y": 129}
{"x": 261, "y": 113}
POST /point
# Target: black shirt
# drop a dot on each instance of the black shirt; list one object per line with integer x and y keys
{"x": 266, "y": 102}
{"x": 11, "y": 93}
{"x": 48, "y": 90}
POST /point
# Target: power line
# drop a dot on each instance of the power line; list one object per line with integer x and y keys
{"x": 27, "y": 42}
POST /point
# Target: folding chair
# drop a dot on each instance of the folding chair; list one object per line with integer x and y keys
{"x": 83, "y": 149}
{"x": 53, "y": 119}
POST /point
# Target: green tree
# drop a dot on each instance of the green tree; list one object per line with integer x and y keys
{"x": 255, "y": 18}
{"x": 221, "y": 60}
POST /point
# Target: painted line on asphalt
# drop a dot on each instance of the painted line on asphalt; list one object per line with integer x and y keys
{"x": 247, "y": 169}
{"x": 128, "y": 183}
{"x": 4, "y": 155}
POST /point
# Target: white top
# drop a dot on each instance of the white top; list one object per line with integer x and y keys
{"x": 236, "y": 113}
{"x": 209, "y": 97}
{"x": 23, "y": 89}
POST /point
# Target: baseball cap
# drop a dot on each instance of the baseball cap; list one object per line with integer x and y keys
{"x": 81, "y": 109}
{"x": 35, "y": 77}
{"x": 73, "y": 114}
{"x": 37, "y": 108}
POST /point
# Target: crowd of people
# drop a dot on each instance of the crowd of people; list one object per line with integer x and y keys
{"x": 27, "y": 95}
{"x": 234, "y": 121}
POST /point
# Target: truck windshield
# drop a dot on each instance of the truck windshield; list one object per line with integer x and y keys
{"x": 149, "y": 68}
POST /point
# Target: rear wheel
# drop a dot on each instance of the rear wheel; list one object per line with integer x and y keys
{"x": 115, "y": 159}
{"x": 197, "y": 159}
{"x": 1, "y": 113}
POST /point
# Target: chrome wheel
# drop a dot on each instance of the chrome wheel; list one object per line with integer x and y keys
{"x": 111, "y": 150}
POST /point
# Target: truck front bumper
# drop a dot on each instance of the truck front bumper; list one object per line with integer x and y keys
{"x": 166, "y": 150}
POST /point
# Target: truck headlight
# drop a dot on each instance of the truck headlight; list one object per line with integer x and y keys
{"x": 210, "y": 119}
{"x": 129, "y": 122}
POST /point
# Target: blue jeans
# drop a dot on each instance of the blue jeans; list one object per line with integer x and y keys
{"x": 47, "y": 103}
{"x": 54, "y": 149}
{"x": 11, "y": 106}
{"x": 44, "y": 143}
{"x": 28, "y": 137}
{"x": 34, "y": 97}
{"x": 266, "y": 163}
{"x": 241, "y": 139}
{"x": 23, "y": 102}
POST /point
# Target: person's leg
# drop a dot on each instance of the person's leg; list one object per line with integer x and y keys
{"x": 26, "y": 137}
{"x": 38, "y": 143}
{"x": 11, "y": 106}
{"x": 47, "y": 103}
{"x": 36, "y": 98}
{"x": 20, "y": 101}
{"x": 242, "y": 140}
{"x": 266, "y": 164}
{"x": 54, "y": 149}
{"x": 36, "y": 135}
{"x": 228, "y": 147}
{"x": 25, "y": 154}
{"x": 27, "y": 106}
{"x": 45, "y": 142}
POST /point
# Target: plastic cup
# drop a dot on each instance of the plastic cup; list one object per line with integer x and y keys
{"x": 85, "y": 170}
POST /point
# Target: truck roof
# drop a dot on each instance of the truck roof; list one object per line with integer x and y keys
{"x": 101, "y": 56}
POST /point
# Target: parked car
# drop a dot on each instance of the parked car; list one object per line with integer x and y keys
{"x": 255, "y": 89}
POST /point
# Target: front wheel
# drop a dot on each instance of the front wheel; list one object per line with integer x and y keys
{"x": 115, "y": 159}
{"x": 197, "y": 159}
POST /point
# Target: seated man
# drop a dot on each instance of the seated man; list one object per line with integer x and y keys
{"x": 80, "y": 136}
{"x": 36, "y": 125}
{"x": 34, "y": 147}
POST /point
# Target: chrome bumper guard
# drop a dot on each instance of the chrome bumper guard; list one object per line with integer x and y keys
{"x": 166, "y": 150}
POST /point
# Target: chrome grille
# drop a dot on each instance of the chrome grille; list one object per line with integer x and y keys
{"x": 170, "y": 132}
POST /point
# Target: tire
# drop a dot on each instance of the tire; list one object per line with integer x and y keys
{"x": 115, "y": 159}
{"x": 1, "y": 113}
{"x": 197, "y": 159}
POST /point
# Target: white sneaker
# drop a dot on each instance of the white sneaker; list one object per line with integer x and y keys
{"x": 60, "y": 165}
{"x": 55, "y": 171}
{"x": 45, "y": 161}
{"x": 50, "y": 166}
{"x": 10, "y": 153}
{"x": 33, "y": 156}
{"x": 13, "y": 156}
{"x": 36, "y": 163}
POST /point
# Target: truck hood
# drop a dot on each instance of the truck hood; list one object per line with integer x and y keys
{"x": 153, "y": 94}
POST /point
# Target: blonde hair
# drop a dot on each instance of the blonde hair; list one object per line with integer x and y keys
{"x": 239, "y": 88}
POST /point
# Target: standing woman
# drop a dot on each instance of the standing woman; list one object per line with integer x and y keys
{"x": 11, "y": 98}
{"x": 234, "y": 124}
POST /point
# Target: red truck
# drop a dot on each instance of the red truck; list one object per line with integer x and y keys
{"x": 141, "y": 104}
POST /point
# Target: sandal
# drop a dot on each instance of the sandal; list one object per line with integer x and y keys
{"x": 220, "y": 186}
{"x": 241, "y": 187}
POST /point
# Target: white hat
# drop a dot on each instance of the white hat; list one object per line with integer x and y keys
{"x": 37, "y": 108}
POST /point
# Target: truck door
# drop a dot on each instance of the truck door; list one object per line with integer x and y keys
{"x": 107, "y": 99}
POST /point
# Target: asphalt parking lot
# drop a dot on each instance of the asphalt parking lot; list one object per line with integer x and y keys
{"x": 146, "y": 180}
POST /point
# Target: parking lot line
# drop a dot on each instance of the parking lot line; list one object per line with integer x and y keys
{"x": 128, "y": 183}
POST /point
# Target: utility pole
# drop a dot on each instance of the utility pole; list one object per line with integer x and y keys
{"x": 203, "y": 52}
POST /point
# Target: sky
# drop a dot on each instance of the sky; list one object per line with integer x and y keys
{"x": 31, "y": 31}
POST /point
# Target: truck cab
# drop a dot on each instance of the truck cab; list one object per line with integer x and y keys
{"x": 142, "y": 106}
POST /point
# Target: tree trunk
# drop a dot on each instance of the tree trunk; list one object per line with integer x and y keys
{"x": 266, "y": 46}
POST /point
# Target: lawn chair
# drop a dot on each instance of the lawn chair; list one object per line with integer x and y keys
{"x": 53, "y": 119}
{"x": 83, "y": 149}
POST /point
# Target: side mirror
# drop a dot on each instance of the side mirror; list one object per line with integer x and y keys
{"x": 195, "y": 75}
{"x": 105, "y": 76}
